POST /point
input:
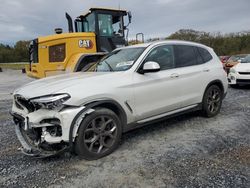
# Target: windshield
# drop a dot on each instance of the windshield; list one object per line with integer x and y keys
{"x": 246, "y": 59}
{"x": 236, "y": 58}
{"x": 119, "y": 60}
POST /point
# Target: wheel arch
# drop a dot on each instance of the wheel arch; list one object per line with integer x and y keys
{"x": 109, "y": 104}
{"x": 217, "y": 83}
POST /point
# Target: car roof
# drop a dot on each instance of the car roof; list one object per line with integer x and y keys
{"x": 145, "y": 45}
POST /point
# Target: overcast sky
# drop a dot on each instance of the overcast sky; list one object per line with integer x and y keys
{"x": 28, "y": 19}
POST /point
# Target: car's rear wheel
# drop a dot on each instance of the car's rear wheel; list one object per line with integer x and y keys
{"x": 99, "y": 134}
{"x": 212, "y": 101}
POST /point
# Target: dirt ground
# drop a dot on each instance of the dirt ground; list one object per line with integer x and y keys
{"x": 187, "y": 151}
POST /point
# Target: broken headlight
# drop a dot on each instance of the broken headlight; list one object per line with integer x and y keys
{"x": 50, "y": 101}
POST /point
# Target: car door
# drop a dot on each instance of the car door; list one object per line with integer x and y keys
{"x": 192, "y": 73}
{"x": 159, "y": 92}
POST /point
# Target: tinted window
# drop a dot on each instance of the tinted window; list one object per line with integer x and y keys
{"x": 198, "y": 56}
{"x": 185, "y": 56}
{"x": 206, "y": 56}
{"x": 163, "y": 55}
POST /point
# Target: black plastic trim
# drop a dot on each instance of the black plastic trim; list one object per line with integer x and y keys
{"x": 133, "y": 126}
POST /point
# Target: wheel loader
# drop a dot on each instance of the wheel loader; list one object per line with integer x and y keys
{"x": 89, "y": 38}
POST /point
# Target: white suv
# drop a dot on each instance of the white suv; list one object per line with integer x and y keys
{"x": 130, "y": 87}
{"x": 240, "y": 73}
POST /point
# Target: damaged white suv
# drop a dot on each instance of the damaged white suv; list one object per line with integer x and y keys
{"x": 130, "y": 87}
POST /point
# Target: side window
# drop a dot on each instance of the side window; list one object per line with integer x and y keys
{"x": 198, "y": 55}
{"x": 163, "y": 55}
{"x": 206, "y": 56}
{"x": 89, "y": 26}
{"x": 105, "y": 25}
{"x": 185, "y": 56}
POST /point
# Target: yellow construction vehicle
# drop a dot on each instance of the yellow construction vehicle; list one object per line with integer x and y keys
{"x": 96, "y": 33}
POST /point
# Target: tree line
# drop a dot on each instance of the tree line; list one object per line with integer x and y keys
{"x": 17, "y": 53}
{"x": 223, "y": 44}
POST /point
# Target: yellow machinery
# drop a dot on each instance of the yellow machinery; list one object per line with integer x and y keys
{"x": 96, "y": 33}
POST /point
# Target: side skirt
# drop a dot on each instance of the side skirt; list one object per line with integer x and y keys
{"x": 162, "y": 117}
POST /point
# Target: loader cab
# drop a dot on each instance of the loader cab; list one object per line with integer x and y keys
{"x": 89, "y": 38}
{"x": 107, "y": 24}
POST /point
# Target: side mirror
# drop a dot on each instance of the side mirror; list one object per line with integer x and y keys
{"x": 151, "y": 66}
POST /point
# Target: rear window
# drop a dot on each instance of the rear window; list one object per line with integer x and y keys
{"x": 206, "y": 56}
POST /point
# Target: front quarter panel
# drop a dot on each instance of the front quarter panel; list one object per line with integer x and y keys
{"x": 115, "y": 87}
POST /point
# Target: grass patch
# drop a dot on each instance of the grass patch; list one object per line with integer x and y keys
{"x": 15, "y": 66}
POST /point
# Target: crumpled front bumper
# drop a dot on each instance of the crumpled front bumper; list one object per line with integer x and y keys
{"x": 28, "y": 148}
{"x": 34, "y": 120}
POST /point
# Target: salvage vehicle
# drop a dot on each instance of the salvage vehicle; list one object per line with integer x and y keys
{"x": 96, "y": 33}
{"x": 234, "y": 60}
{"x": 132, "y": 86}
{"x": 240, "y": 73}
{"x": 224, "y": 59}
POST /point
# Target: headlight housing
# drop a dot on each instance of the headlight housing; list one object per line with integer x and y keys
{"x": 50, "y": 101}
{"x": 232, "y": 70}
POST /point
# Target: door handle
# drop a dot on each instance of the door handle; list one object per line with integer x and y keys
{"x": 174, "y": 75}
{"x": 206, "y": 70}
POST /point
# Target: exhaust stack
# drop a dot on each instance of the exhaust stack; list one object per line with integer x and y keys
{"x": 70, "y": 23}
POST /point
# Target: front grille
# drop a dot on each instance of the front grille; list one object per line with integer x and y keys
{"x": 244, "y": 73}
{"x": 243, "y": 80}
{"x": 22, "y": 103}
{"x": 57, "y": 53}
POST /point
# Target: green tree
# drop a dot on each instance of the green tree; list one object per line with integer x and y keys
{"x": 227, "y": 44}
{"x": 17, "y": 53}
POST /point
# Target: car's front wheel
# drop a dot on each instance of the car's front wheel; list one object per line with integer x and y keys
{"x": 99, "y": 134}
{"x": 212, "y": 101}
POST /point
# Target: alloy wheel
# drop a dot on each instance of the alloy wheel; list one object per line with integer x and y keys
{"x": 100, "y": 134}
{"x": 213, "y": 100}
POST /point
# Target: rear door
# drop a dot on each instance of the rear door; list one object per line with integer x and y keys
{"x": 192, "y": 72}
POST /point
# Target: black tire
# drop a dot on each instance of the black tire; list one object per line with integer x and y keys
{"x": 212, "y": 101}
{"x": 100, "y": 129}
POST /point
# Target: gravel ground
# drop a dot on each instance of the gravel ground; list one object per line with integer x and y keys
{"x": 10, "y": 80}
{"x": 187, "y": 151}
